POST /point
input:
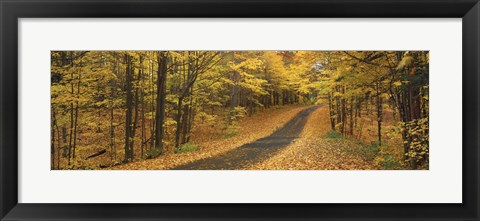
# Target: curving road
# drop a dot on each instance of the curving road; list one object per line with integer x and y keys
{"x": 256, "y": 151}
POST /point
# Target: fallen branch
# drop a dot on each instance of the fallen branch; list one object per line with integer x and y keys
{"x": 96, "y": 154}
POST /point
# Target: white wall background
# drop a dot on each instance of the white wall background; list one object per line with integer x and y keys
{"x": 441, "y": 184}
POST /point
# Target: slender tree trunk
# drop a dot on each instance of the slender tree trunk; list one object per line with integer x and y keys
{"x": 112, "y": 134}
{"x": 338, "y": 112}
{"x": 142, "y": 98}
{"x": 161, "y": 94}
{"x": 152, "y": 109}
{"x": 331, "y": 111}
{"x": 140, "y": 91}
{"x": 178, "y": 118}
{"x": 344, "y": 112}
{"x": 71, "y": 112}
{"x": 357, "y": 110}
{"x": 52, "y": 137}
{"x": 64, "y": 138}
{"x": 185, "y": 120}
{"x": 235, "y": 77}
{"x": 59, "y": 147}
{"x": 135, "y": 123}
{"x": 191, "y": 115}
{"x": 113, "y": 154}
{"x": 76, "y": 118}
{"x": 351, "y": 118}
{"x": 129, "y": 103}
{"x": 379, "y": 115}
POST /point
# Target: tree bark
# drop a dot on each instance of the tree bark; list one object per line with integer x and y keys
{"x": 379, "y": 115}
{"x": 52, "y": 137}
{"x": 351, "y": 118}
{"x": 129, "y": 103}
{"x": 161, "y": 95}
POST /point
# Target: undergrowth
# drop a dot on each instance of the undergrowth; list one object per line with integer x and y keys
{"x": 150, "y": 154}
{"x": 229, "y": 134}
{"x": 333, "y": 135}
{"x": 186, "y": 148}
{"x": 381, "y": 155}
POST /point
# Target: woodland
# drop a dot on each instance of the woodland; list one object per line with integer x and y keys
{"x": 248, "y": 110}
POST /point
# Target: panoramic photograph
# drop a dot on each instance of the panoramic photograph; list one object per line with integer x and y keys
{"x": 239, "y": 110}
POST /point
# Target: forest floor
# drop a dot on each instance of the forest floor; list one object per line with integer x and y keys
{"x": 290, "y": 138}
{"x": 252, "y": 128}
{"x": 316, "y": 149}
{"x": 257, "y": 151}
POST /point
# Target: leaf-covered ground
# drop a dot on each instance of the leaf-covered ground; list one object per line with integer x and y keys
{"x": 252, "y": 149}
{"x": 314, "y": 151}
{"x": 251, "y": 128}
{"x": 257, "y": 151}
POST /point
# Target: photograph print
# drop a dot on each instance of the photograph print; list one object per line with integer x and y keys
{"x": 239, "y": 110}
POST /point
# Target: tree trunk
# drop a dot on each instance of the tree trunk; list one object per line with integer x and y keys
{"x": 135, "y": 123}
{"x": 344, "y": 112}
{"x": 331, "y": 111}
{"x": 191, "y": 115}
{"x": 129, "y": 103}
{"x": 233, "y": 96}
{"x": 351, "y": 118}
{"x": 59, "y": 143}
{"x": 70, "y": 135}
{"x": 185, "y": 120}
{"x": 112, "y": 135}
{"x": 178, "y": 118}
{"x": 76, "y": 118}
{"x": 152, "y": 108}
{"x": 142, "y": 100}
{"x": 113, "y": 154}
{"x": 379, "y": 115}
{"x": 52, "y": 137}
{"x": 64, "y": 138}
{"x": 161, "y": 95}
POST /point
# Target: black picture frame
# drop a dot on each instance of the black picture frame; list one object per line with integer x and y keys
{"x": 12, "y": 10}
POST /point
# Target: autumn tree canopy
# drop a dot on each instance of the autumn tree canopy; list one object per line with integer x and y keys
{"x": 113, "y": 108}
